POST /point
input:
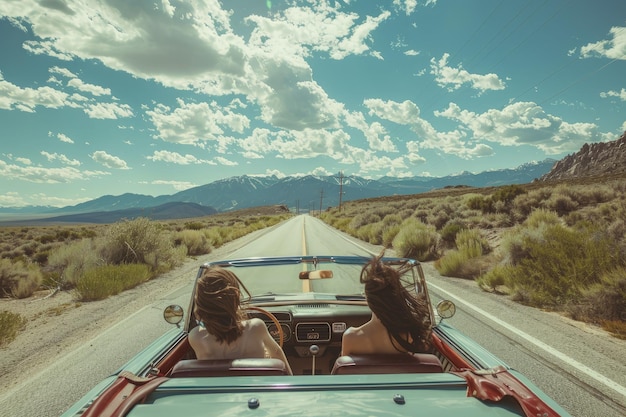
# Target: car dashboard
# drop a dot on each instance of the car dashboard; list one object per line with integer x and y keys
{"x": 310, "y": 324}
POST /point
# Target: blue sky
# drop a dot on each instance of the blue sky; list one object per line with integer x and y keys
{"x": 153, "y": 97}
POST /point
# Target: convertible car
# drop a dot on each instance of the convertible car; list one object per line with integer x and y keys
{"x": 307, "y": 302}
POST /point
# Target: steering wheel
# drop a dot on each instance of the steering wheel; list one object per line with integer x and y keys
{"x": 281, "y": 335}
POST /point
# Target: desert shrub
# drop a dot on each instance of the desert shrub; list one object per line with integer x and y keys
{"x": 513, "y": 247}
{"x": 364, "y": 218}
{"x": 416, "y": 240}
{"x": 18, "y": 279}
{"x": 451, "y": 263}
{"x": 47, "y": 238}
{"x": 139, "y": 241}
{"x": 383, "y": 211}
{"x": 560, "y": 264}
{"x": 104, "y": 281}
{"x": 481, "y": 203}
{"x": 507, "y": 193}
{"x": 561, "y": 204}
{"x": 213, "y": 236}
{"x": 472, "y": 242}
{"x": 495, "y": 278}
{"x": 72, "y": 260}
{"x": 607, "y": 298}
{"x": 438, "y": 219}
{"x": 462, "y": 262}
{"x": 526, "y": 203}
{"x": 10, "y": 325}
{"x": 194, "y": 225}
{"x": 449, "y": 231}
{"x": 540, "y": 218}
{"x": 392, "y": 219}
{"x": 366, "y": 233}
{"x": 389, "y": 234}
{"x": 195, "y": 241}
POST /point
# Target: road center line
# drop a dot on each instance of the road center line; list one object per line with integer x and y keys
{"x": 306, "y": 284}
{"x": 541, "y": 345}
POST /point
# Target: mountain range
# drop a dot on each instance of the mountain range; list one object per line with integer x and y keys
{"x": 302, "y": 193}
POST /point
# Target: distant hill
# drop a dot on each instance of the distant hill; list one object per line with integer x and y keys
{"x": 305, "y": 193}
{"x": 162, "y": 212}
{"x": 597, "y": 159}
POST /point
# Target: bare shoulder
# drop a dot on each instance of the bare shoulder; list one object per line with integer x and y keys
{"x": 255, "y": 325}
{"x": 353, "y": 332}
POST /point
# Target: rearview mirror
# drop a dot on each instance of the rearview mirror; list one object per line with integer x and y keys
{"x": 321, "y": 274}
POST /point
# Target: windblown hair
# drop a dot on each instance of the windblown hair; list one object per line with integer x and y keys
{"x": 405, "y": 316}
{"x": 217, "y": 304}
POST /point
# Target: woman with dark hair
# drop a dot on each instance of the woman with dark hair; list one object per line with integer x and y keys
{"x": 224, "y": 331}
{"x": 400, "y": 321}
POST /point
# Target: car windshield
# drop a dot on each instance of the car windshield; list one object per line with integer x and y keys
{"x": 283, "y": 279}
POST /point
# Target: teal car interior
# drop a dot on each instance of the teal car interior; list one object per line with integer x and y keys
{"x": 307, "y": 302}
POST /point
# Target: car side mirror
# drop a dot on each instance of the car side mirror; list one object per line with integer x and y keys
{"x": 173, "y": 314}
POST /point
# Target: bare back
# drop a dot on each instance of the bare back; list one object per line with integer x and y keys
{"x": 370, "y": 338}
{"x": 254, "y": 342}
{"x": 246, "y": 346}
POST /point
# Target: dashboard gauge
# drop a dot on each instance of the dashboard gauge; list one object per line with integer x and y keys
{"x": 274, "y": 331}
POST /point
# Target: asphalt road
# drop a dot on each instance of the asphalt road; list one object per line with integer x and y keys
{"x": 581, "y": 368}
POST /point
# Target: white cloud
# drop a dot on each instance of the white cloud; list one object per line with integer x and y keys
{"x": 61, "y": 158}
{"x": 223, "y": 161}
{"x": 195, "y": 123}
{"x": 177, "y": 185}
{"x": 408, "y": 6}
{"x": 93, "y": 89}
{"x": 25, "y": 161}
{"x": 275, "y": 172}
{"x": 27, "y": 99}
{"x": 613, "y": 48}
{"x": 109, "y": 161}
{"x": 64, "y": 138}
{"x": 12, "y": 199}
{"x": 41, "y": 175}
{"x": 375, "y": 133}
{"x": 313, "y": 143}
{"x": 620, "y": 94}
{"x": 407, "y": 113}
{"x": 453, "y": 78}
{"x": 108, "y": 110}
{"x": 526, "y": 123}
{"x": 176, "y": 158}
{"x": 320, "y": 27}
{"x": 258, "y": 143}
{"x": 77, "y": 83}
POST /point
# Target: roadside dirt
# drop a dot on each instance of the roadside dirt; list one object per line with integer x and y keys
{"x": 57, "y": 324}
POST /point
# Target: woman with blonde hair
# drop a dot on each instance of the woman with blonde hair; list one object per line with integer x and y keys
{"x": 224, "y": 331}
{"x": 400, "y": 321}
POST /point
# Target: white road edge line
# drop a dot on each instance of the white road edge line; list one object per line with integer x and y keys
{"x": 5, "y": 395}
{"x": 547, "y": 348}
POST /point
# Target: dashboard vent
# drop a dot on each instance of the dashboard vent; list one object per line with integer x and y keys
{"x": 313, "y": 332}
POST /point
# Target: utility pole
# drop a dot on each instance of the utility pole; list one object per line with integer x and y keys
{"x": 340, "y": 188}
{"x": 321, "y": 200}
